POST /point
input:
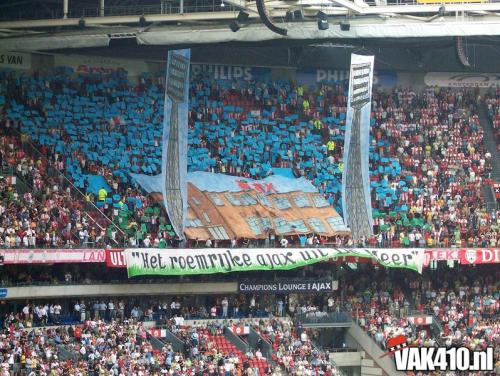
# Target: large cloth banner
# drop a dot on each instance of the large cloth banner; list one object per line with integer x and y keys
{"x": 465, "y": 256}
{"x": 51, "y": 256}
{"x": 227, "y": 207}
{"x": 150, "y": 261}
{"x": 175, "y": 135}
{"x": 224, "y": 207}
{"x": 115, "y": 258}
{"x": 356, "y": 200}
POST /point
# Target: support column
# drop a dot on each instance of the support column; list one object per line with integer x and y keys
{"x": 101, "y": 8}
{"x": 65, "y": 9}
{"x": 181, "y": 7}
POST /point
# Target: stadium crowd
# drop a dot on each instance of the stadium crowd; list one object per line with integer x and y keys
{"x": 123, "y": 347}
{"x": 95, "y": 348}
{"x": 375, "y": 298}
{"x": 292, "y": 348}
{"x": 427, "y": 163}
{"x": 45, "y": 214}
{"x": 465, "y": 306}
{"x": 427, "y": 156}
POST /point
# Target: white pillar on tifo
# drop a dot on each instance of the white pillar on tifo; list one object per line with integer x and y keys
{"x": 65, "y": 9}
{"x": 101, "y": 8}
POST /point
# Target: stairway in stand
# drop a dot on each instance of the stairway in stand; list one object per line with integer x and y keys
{"x": 492, "y": 147}
{"x": 226, "y": 347}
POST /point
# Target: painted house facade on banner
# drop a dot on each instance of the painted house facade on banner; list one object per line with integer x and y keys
{"x": 254, "y": 209}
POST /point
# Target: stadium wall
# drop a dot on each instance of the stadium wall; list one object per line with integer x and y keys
{"x": 70, "y": 291}
{"x": 307, "y": 76}
{"x": 346, "y": 359}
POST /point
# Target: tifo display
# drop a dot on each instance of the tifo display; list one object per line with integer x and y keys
{"x": 427, "y": 157}
{"x": 208, "y": 209}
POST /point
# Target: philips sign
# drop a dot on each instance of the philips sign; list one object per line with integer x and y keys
{"x": 229, "y": 72}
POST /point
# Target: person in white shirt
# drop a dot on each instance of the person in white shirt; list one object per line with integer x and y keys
{"x": 32, "y": 238}
{"x": 76, "y": 310}
{"x": 82, "y": 312}
{"x": 26, "y": 312}
{"x": 121, "y": 310}
{"x": 418, "y": 237}
{"x": 51, "y": 313}
{"x": 225, "y": 305}
{"x": 279, "y": 307}
{"x": 411, "y": 238}
{"x": 83, "y": 235}
{"x": 303, "y": 337}
{"x": 252, "y": 305}
{"x": 310, "y": 240}
{"x": 41, "y": 314}
{"x": 57, "y": 312}
{"x": 258, "y": 354}
{"x": 112, "y": 312}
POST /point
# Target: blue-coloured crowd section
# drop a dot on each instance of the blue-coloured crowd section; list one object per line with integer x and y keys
{"x": 255, "y": 126}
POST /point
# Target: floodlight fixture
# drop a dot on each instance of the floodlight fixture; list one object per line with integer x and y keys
{"x": 322, "y": 21}
{"x": 241, "y": 19}
{"x": 345, "y": 26}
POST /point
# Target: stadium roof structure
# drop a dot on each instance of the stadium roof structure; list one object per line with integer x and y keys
{"x": 58, "y": 24}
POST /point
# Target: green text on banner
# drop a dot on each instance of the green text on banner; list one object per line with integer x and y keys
{"x": 150, "y": 261}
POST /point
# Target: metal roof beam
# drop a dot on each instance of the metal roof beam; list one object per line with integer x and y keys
{"x": 348, "y": 5}
{"x": 117, "y": 20}
{"x": 431, "y": 8}
{"x": 243, "y": 4}
{"x": 309, "y": 6}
